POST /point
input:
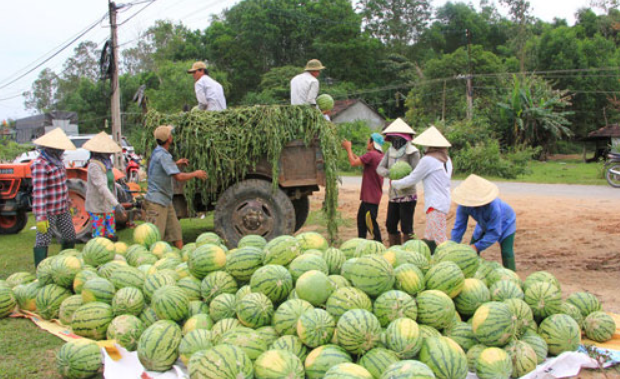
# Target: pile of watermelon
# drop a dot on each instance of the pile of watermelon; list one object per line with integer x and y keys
{"x": 294, "y": 307}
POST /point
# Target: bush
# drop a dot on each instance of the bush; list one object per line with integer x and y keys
{"x": 9, "y": 150}
{"x": 485, "y": 158}
{"x": 358, "y": 133}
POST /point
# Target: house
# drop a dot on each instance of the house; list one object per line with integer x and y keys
{"x": 604, "y": 138}
{"x": 356, "y": 110}
{"x": 33, "y": 127}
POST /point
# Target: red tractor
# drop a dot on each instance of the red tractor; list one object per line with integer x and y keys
{"x": 16, "y": 198}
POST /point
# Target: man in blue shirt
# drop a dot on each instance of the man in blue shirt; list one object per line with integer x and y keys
{"x": 158, "y": 204}
{"x": 496, "y": 221}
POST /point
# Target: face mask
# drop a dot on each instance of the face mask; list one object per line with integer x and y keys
{"x": 398, "y": 142}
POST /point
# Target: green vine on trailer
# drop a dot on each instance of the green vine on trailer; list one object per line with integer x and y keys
{"x": 228, "y": 144}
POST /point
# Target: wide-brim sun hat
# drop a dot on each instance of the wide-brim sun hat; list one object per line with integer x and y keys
{"x": 431, "y": 137}
{"x": 55, "y": 139}
{"x": 475, "y": 192}
{"x": 102, "y": 143}
{"x": 314, "y": 65}
{"x": 398, "y": 127}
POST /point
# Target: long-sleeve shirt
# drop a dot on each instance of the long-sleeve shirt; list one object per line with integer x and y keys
{"x": 495, "y": 222}
{"x": 50, "y": 194}
{"x": 210, "y": 94}
{"x": 384, "y": 170}
{"x": 304, "y": 89}
{"x": 436, "y": 179}
{"x": 99, "y": 197}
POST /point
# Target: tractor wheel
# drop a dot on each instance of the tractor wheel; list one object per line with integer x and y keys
{"x": 13, "y": 224}
{"x": 302, "y": 209}
{"x": 81, "y": 218}
{"x": 252, "y": 207}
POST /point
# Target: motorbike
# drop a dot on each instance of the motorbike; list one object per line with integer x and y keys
{"x": 132, "y": 167}
{"x": 612, "y": 170}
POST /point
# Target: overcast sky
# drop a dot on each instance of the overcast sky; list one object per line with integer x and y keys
{"x": 31, "y": 31}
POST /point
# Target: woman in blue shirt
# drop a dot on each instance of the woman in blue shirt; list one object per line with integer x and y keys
{"x": 496, "y": 221}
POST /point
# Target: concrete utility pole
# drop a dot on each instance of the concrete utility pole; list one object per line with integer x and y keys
{"x": 116, "y": 93}
{"x": 470, "y": 89}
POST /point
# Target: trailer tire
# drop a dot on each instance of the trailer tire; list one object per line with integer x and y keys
{"x": 13, "y": 224}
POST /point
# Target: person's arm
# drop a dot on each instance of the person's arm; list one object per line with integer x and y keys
{"x": 414, "y": 159}
{"x": 382, "y": 168}
{"x": 201, "y": 95}
{"x": 354, "y": 160}
{"x": 97, "y": 176}
{"x": 38, "y": 192}
{"x": 419, "y": 173}
{"x": 185, "y": 176}
{"x": 460, "y": 224}
{"x": 313, "y": 92}
{"x": 494, "y": 228}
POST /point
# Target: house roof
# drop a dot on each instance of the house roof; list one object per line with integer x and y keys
{"x": 342, "y": 105}
{"x": 607, "y": 131}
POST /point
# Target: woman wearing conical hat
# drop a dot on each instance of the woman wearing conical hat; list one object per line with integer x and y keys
{"x": 101, "y": 199}
{"x": 496, "y": 221}
{"x": 435, "y": 171}
{"x": 50, "y": 194}
{"x": 401, "y": 206}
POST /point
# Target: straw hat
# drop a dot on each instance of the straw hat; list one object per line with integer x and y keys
{"x": 314, "y": 65}
{"x": 399, "y": 126}
{"x": 475, "y": 192}
{"x": 102, "y": 143}
{"x": 197, "y": 66}
{"x": 431, "y": 137}
{"x": 56, "y": 139}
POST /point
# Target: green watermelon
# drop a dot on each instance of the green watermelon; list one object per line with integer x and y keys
{"x": 418, "y": 246}
{"x": 462, "y": 255}
{"x": 91, "y": 320}
{"x": 410, "y": 279}
{"x": 446, "y": 277}
{"x": 561, "y": 333}
{"x": 22, "y": 277}
{"x": 222, "y": 326}
{"x": 347, "y": 268}
{"x": 572, "y": 311}
{"x": 325, "y": 102}
{"x": 522, "y": 315}
{"x": 377, "y": 360}
{"x": 537, "y": 343}
{"x": 403, "y": 337}
{"x": 268, "y": 333}
{"x": 197, "y": 306}
{"x": 394, "y": 304}
{"x": 314, "y": 286}
{"x": 81, "y": 278}
{"x": 523, "y": 358}
{"x": 243, "y": 262}
{"x": 358, "y": 331}
{"x": 126, "y": 330}
{"x": 399, "y": 170}
{"x": 48, "y": 301}
{"x": 369, "y": 247}
{"x": 159, "y": 248}
{"x": 372, "y": 274}
{"x": 315, "y": 327}
{"x": 98, "y": 289}
{"x": 79, "y": 359}
{"x": 247, "y": 340}
{"x": 208, "y": 238}
{"x": 26, "y": 295}
{"x": 98, "y": 251}
{"x": 408, "y": 369}
{"x": 345, "y": 299}
{"x": 585, "y": 302}
{"x": 255, "y": 310}
{"x": 544, "y": 298}
{"x": 453, "y": 362}
{"x": 148, "y": 317}
{"x": 472, "y": 356}
{"x": 158, "y": 345}
{"x": 492, "y": 324}
{"x": 44, "y": 271}
{"x": 599, "y": 326}
{"x": 170, "y": 303}
{"x": 312, "y": 240}
{"x": 435, "y": 309}
{"x": 275, "y": 364}
{"x": 64, "y": 270}
{"x": 339, "y": 281}
{"x": 68, "y": 308}
{"x": 192, "y": 342}
{"x": 501, "y": 273}
{"x": 347, "y": 371}
{"x": 286, "y": 316}
{"x": 274, "y": 281}
{"x": 334, "y": 259}
{"x": 349, "y": 247}
{"x": 8, "y": 302}
{"x": 473, "y": 294}
{"x": 127, "y": 276}
{"x": 493, "y": 363}
{"x": 191, "y": 286}
{"x": 252, "y": 240}
{"x": 221, "y": 362}
{"x": 217, "y": 283}
{"x": 305, "y": 263}
{"x": 504, "y": 290}
{"x": 156, "y": 281}
{"x": 541, "y": 276}
{"x": 206, "y": 259}
{"x": 223, "y": 306}
{"x": 281, "y": 250}
{"x": 428, "y": 331}
{"x": 461, "y": 333}
{"x": 323, "y": 358}
{"x": 146, "y": 234}
{"x": 197, "y": 322}
{"x": 291, "y": 344}
{"x": 128, "y": 300}
{"x": 105, "y": 270}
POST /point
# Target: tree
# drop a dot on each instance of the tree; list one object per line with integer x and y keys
{"x": 43, "y": 95}
{"x": 520, "y": 12}
{"x": 83, "y": 64}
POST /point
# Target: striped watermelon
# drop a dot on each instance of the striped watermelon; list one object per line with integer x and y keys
{"x": 369, "y": 247}
{"x": 347, "y": 371}
{"x": 544, "y": 298}
{"x": 275, "y": 364}
{"x": 146, "y": 234}
{"x": 410, "y": 279}
{"x": 155, "y": 281}
{"x": 126, "y": 330}
{"x": 313, "y": 252}
{"x": 502, "y": 273}
{"x": 504, "y": 290}
{"x": 197, "y": 322}
{"x": 445, "y": 357}
{"x": 221, "y": 362}
{"x": 392, "y": 255}
{"x": 394, "y": 304}
{"x": 473, "y": 294}
{"x": 523, "y": 358}
{"x": 461, "y": 333}
{"x": 186, "y": 250}
{"x": 170, "y": 303}
{"x": 418, "y": 246}
{"x": 446, "y": 277}
{"x": 291, "y": 344}
{"x": 208, "y": 238}
{"x": 98, "y": 289}
{"x": 217, "y": 283}
{"x": 312, "y": 240}
{"x": 599, "y": 326}
{"x": 541, "y": 276}
{"x": 223, "y": 306}
{"x": 18, "y": 278}
{"x": 91, "y": 320}
{"x": 305, "y": 263}
{"x": 347, "y": 268}
{"x": 158, "y": 345}
{"x": 334, "y": 259}
{"x": 79, "y": 359}
{"x": 403, "y": 337}
{"x": 159, "y": 248}
{"x": 358, "y": 331}
{"x": 144, "y": 259}
{"x": 48, "y": 301}
{"x": 255, "y": 310}
{"x": 428, "y": 331}
{"x": 286, "y": 316}
{"x": 135, "y": 249}
{"x": 377, "y": 360}
{"x": 268, "y": 333}
{"x": 197, "y": 306}
{"x": 561, "y": 333}
{"x": 492, "y": 324}
{"x": 585, "y": 302}
{"x": 522, "y": 315}
{"x": 435, "y": 309}
{"x": 472, "y": 356}
{"x": 243, "y": 262}
{"x": 252, "y": 240}
{"x": 127, "y": 276}
{"x": 323, "y": 358}
{"x": 169, "y": 263}
{"x": 191, "y": 286}
{"x": 314, "y": 287}
{"x": 281, "y": 250}
{"x": 98, "y": 251}
{"x": 274, "y": 281}
{"x": 537, "y": 343}
{"x": 64, "y": 270}
{"x": 372, "y": 274}
{"x": 8, "y": 302}
{"x": 120, "y": 248}
{"x": 44, "y": 271}
{"x": 222, "y": 326}
{"x": 572, "y": 311}
{"x": 315, "y": 327}
{"x": 485, "y": 269}
{"x": 339, "y": 281}
{"x": 463, "y": 255}
{"x": 345, "y": 299}
{"x": 348, "y": 247}
{"x": 193, "y": 342}
{"x": 493, "y": 363}
{"x": 408, "y": 369}
{"x": 81, "y": 278}
{"x": 26, "y": 295}
{"x": 206, "y": 259}
{"x": 128, "y": 300}
{"x": 183, "y": 270}
{"x": 247, "y": 340}
{"x": 68, "y": 308}
{"x": 105, "y": 270}
{"x": 148, "y": 317}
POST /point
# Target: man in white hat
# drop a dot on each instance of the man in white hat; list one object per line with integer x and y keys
{"x": 50, "y": 194}
{"x": 496, "y": 220}
{"x": 305, "y": 86}
{"x": 435, "y": 171}
{"x": 209, "y": 93}
{"x": 101, "y": 202}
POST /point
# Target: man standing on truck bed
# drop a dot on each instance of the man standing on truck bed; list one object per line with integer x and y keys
{"x": 158, "y": 204}
{"x": 305, "y": 86}
{"x": 209, "y": 92}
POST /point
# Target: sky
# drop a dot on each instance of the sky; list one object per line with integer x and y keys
{"x": 30, "y": 34}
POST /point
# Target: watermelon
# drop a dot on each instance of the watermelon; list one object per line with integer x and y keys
{"x": 81, "y": 278}
{"x": 399, "y": 170}
{"x": 156, "y": 281}
{"x": 105, "y": 270}
{"x": 323, "y": 358}
{"x": 148, "y": 316}
{"x": 493, "y": 363}
{"x": 170, "y": 303}
{"x": 120, "y": 248}
{"x": 325, "y": 102}
{"x": 461, "y": 333}
{"x": 197, "y": 322}
{"x": 314, "y": 286}
{"x": 428, "y": 331}
{"x": 44, "y": 271}
{"x": 255, "y": 310}
{"x": 79, "y": 359}
{"x": 446, "y": 277}
{"x": 572, "y": 311}
{"x": 599, "y": 326}
{"x": 146, "y": 234}
{"x": 247, "y": 340}
{"x": 349, "y": 247}
{"x": 334, "y": 259}
{"x": 372, "y": 274}
{"x": 315, "y": 327}
{"x": 128, "y": 300}
{"x": 561, "y": 333}
{"x": 394, "y": 304}
{"x": 26, "y": 295}
{"x": 473, "y": 294}
{"x": 585, "y": 302}
{"x": 286, "y": 316}
{"x": 197, "y": 306}
{"x": 208, "y": 238}
{"x": 377, "y": 360}
{"x": 268, "y": 333}
{"x": 169, "y": 263}
{"x": 133, "y": 250}
{"x": 144, "y": 259}
{"x": 221, "y": 362}
{"x": 347, "y": 268}
{"x": 472, "y": 356}
{"x": 369, "y": 247}
{"x": 291, "y": 344}
{"x": 339, "y": 281}
{"x": 305, "y": 263}
{"x": 217, "y": 283}
{"x": 276, "y": 364}
{"x": 347, "y": 371}
{"x": 126, "y": 330}
{"x": 403, "y": 337}
{"x": 191, "y": 286}
{"x": 492, "y": 324}
{"x": 410, "y": 279}
{"x": 159, "y": 248}
{"x": 91, "y": 320}
{"x": 358, "y": 331}
{"x": 68, "y": 307}
{"x": 485, "y": 269}
{"x": 312, "y": 240}
{"x": 8, "y": 302}
{"x": 18, "y": 278}
{"x": 223, "y": 306}
{"x": 544, "y": 298}
{"x": 183, "y": 270}
{"x": 158, "y": 345}
{"x": 243, "y": 262}
{"x": 192, "y": 342}
{"x": 408, "y": 369}
{"x": 537, "y": 343}
{"x": 418, "y": 246}
{"x": 462, "y": 255}
{"x": 435, "y": 309}
{"x": 98, "y": 289}
{"x": 541, "y": 276}
{"x": 98, "y": 251}
{"x": 502, "y": 273}
{"x": 274, "y": 281}
{"x": 504, "y": 290}
{"x": 252, "y": 240}
{"x": 523, "y": 358}
{"x": 222, "y": 326}
{"x": 281, "y": 250}
{"x": 241, "y": 292}
{"x": 127, "y": 276}
{"x": 522, "y": 315}
{"x": 206, "y": 259}
{"x": 445, "y": 357}
{"x": 48, "y": 301}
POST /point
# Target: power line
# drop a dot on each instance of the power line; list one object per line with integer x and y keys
{"x": 150, "y": 2}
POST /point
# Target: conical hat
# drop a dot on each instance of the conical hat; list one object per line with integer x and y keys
{"x": 398, "y": 126}
{"x": 431, "y": 137}
{"x": 475, "y": 192}
{"x": 56, "y": 139}
{"x": 102, "y": 143}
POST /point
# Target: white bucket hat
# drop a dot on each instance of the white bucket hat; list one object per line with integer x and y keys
{"x": 431, "y": 137}
{"x": 55, "y": 139}
{"x": 475, "y": 192}
{"x": 102, "y": 143}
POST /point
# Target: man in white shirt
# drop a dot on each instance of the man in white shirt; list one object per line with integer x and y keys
{"x": 305, "y": 86}
{"x": 209, "y": 93}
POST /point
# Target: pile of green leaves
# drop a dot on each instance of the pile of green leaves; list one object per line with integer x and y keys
{"x": 228, "y": 144}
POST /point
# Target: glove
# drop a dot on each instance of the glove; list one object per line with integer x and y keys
{"x": 43, "y": 226}
{"x": 72, "y": 211}
{"x": 120, "y": 209}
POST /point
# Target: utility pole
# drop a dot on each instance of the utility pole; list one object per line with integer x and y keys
{"x": 116, "y": 93}
{"x": 470, "y": 89}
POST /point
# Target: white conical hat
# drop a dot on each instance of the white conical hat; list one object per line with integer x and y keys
{"x": 102, "y": 143}
{"x": 475, "y": 192}
{"x": 56, "y": 139}
{"x": 399, "y": 126}
{"x": 431, "y": 137}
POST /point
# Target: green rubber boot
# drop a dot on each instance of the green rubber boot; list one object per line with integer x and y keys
{"x": 40, "y": 253}
{"x": 67, "y": 245}
{"x": 508, "y": 261}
